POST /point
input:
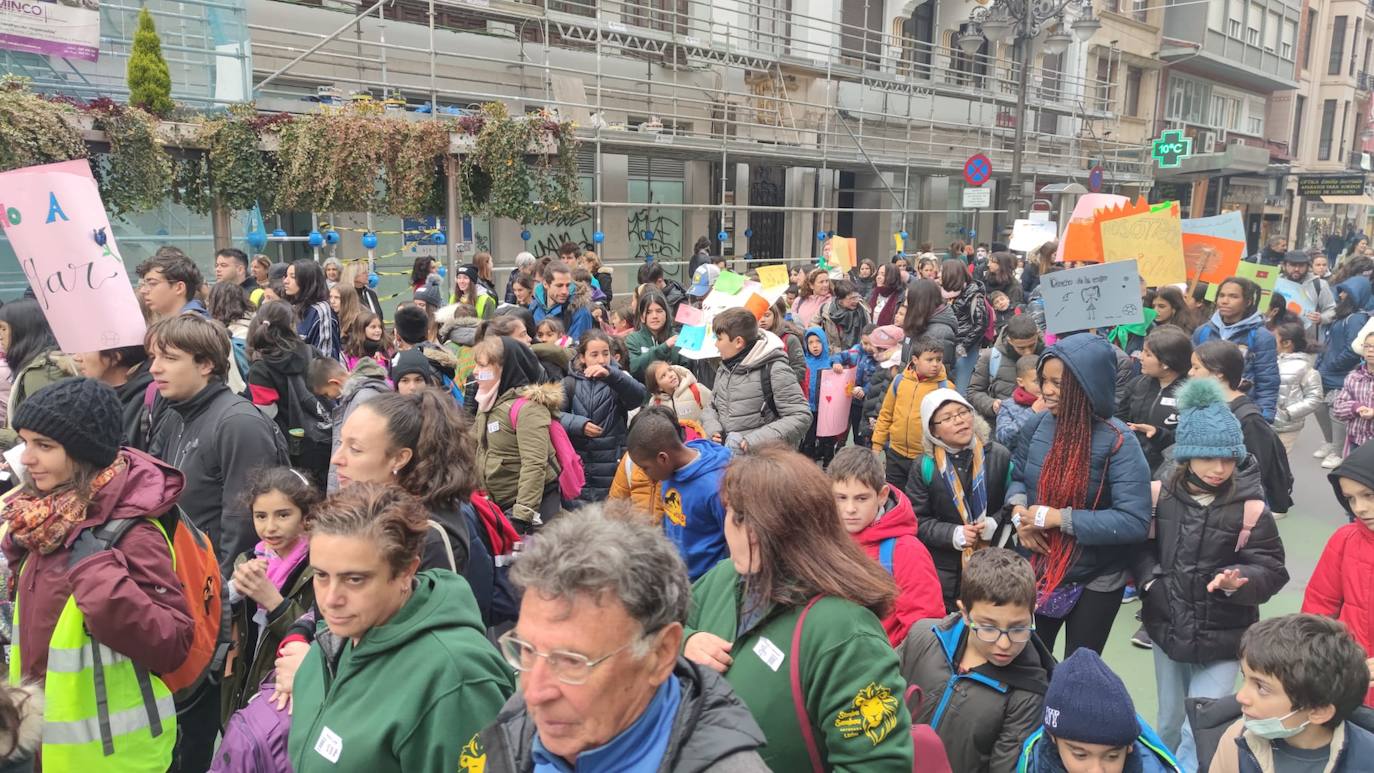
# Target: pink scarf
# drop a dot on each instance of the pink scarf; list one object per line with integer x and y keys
{"x": 949, "y": 296}
{"x": 279, "y": 568}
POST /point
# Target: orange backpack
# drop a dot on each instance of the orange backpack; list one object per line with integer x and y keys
{"x": 197, "y": 567}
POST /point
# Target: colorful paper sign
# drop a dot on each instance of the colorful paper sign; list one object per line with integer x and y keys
{"x": 1027, "y": 235}
{"x": 1096, "y": 296}
{"x": 757, "y": 305}
{"x": 1294, "y": 294}
{"x": 1264, "y": 276}
{"x": 1081, "y": 242}
{"x": 1213, "y": 246}
{"x": 70, "y": 30}
{"x": 691, "y": 336}
{"x": 843, "y": 252}
{"x": 832, "y": 405}
{"x": 1154, "y": 239}
{"x": 729, "y": 282}
{"x": 1228, "y": 225}
{"x": 688, "y": 314}
{"x": 772, "y": 276}
{"x": 56, "y": 223}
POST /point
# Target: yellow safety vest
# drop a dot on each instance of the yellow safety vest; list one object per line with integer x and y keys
{"x": 99, "y": 704}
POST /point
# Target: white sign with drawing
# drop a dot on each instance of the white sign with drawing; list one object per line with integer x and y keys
{"x": 1100, "y": 295}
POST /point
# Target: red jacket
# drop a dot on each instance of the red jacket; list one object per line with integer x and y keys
{"x": 129, "y": 594}
{"x": 918, "y": 587}
{"x": 1340, "y": 585}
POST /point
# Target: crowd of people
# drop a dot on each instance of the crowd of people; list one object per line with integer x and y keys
{"x": 525, "y": 528}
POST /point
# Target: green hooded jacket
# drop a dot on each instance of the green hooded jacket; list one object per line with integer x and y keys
{"x": 850, "y": 677}
{"x": 408, "y": 696}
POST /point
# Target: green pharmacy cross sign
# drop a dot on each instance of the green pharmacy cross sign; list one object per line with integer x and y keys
{"x": 1171, "y": 148}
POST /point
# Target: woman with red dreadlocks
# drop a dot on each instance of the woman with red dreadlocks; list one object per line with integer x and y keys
{"x": 1084, "y": 517}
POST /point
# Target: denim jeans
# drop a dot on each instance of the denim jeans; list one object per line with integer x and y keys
{"x": 963, "y": 369}
{"x": 1175, "y": 682}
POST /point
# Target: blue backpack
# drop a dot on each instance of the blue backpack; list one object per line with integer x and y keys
{"x": 885, "y": 550}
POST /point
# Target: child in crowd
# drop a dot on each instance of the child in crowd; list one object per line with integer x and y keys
{"x": 880, "y": 520}
{"x": 846, "y": 315}
{"x": 886, "y": 343}
{"x": 986, "y": 659}
{"x": 1090, "y": 724}
{"x": 411, "y": 372}
{"x": 1354, "y": 403}
{"x": 633, "y": 484}
{"x": 958, "y": 487}
{"x": 755, "y": 396}
{"x": 816, "y": 350}
{"x": 860, "y": 358}
{"x": 1202, "y": 586}
{"x": 1002, "y": 309}
{"x": 272, "y": 585}
{"x": 597, "y": 399}
{"x": 619, "y": 320}
{"x": 1339, "y": 586}
{"x": 898, "y": 431}
{"x": 676, "y": 387}
{"x": 550, "y": 331}
{"x": 1303, "y": 678}
{"x": 691, "y": 473}
{"x": 1151, "y": 405}
{"x": 366, "y": 339}
{"x": 1025, "y": 402}
{"x": 1300, "y": 384}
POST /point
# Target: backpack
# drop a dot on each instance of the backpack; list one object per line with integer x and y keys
{"x": 1280, "y": 472}
{"x": 990, "y": 331}
{"x": 239, "y": 349}
{"x": 305, "y": 411}
{"x": 504, "y": 542}
{"x": 1254, "y": 508}
{"x": 197, "y": 567}
{"x": 255, "y": 737}
{"x": 885, "y": 550}
{"x": 571, "y": 477}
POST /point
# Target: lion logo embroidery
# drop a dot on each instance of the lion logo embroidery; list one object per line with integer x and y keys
{"x": 473, "y": 758}
{"x": 874, "y": 714}
{"x": 672, "y": 507}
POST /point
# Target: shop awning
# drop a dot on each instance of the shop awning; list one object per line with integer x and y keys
{"x": 1366, "y": 200}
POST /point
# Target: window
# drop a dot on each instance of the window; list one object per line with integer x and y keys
{"x": 1254, "y": 123}
{"x": 1345, "y": 118}
{"x": 1216, "y": 116}
{"x": 771, "y": 22}
{"x": 1187, "y": 100}
{"x": 1141, "y": 11}
{"x": 1307, "y": 39}
{"x": 1299, "y": 106}
{"x": 1106, "y": 79}
{"x": 1130, "y": 105}
{"x": 1216, "y": 16}
{"x": 918, "y": 39}
{"x": 1355, "y": 46}
{"x": 1252, "y": 24}
{"x": 1051, "y": 89}
{"x": 1235, "y": 17}
{"x": 967, "y": 69}
{"x": 1271, "y": 32}
{"x": 1328, "y": 126}
{"x": 1337, "y": 58}
{"x": 1288, "y": 34}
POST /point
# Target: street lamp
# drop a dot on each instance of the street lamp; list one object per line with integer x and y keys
{"x": 1020, "y": 21}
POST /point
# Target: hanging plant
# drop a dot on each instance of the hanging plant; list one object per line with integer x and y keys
{"x": 501, "y": 149}
{"x": 241, "y": 173}
{"x": 191, "y": 182}
{"x": 414, "y": 153}
{"x": 34, "y": 130}
{"x": 557, "y": 180}
{"x": 136, "y": 173}
{"x": 331, "y": 162}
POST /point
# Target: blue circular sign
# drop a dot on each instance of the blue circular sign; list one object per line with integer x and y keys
{"x": 977, "y": 169}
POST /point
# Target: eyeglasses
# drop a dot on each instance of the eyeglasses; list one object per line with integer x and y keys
{"x": 959, "y": 415}
{"x": 989, "y": 634}
{"x": 567, "y": 667}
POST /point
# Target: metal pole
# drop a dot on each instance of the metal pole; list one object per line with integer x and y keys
{"x": 1023, "y": 41}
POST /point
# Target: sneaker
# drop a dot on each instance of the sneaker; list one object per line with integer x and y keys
{"x": 1325, "y": 450}
{"x": 1331, "y": 462}
{"x": 1141, "y": 639}
{"x": 1130, "y": 594}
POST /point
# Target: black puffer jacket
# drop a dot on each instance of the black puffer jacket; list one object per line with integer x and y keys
{"x": 605, "y": 402}
{"x": 1146, "y": 403}
{"x": 943, "y": 327}
{"x": 1192, "y": 543}
{"x": 135, "y": 404}
{"x": 971, "y": 310}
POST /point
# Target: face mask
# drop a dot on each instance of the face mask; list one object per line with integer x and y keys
{"x": 1272, "y": 729}
{"x": 1194, "y": 480}
{"x": 484, "y": 375}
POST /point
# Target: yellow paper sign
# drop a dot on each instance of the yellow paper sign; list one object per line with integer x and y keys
{"x": 843, "y": 252}
{"x": 773, "y": 276}
{"x": 1153, "y": 239}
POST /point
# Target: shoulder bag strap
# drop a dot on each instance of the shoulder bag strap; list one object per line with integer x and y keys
{"x": 798, "y": 697}
{"x": 448, "y": 545}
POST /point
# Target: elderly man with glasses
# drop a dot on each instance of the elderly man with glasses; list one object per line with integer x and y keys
{"x": 601, "y": 681}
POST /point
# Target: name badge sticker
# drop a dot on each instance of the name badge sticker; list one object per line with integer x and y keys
{"x": 493, "y": 427}
{"x": 329, "y": 745}
{"x": 768, "y": 652}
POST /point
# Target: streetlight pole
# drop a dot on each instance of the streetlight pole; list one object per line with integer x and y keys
{"x": 1022, "y": 88}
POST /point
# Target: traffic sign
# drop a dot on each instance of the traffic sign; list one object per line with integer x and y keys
{"x": 1171, "y": 148}
{"x": 1095, "y": 179}
{"x": 977, "y": 170}
{"x": 977, "y": 198}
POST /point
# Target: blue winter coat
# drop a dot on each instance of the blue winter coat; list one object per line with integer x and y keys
{"x": 815, "y": 364}
{"x": 576, "y": 320}
{"x": 1148, "y": 754}
{"x": 1120, "y": 519}
{"x": 1338, "y": 359}
{"x": 1261, "y": 356}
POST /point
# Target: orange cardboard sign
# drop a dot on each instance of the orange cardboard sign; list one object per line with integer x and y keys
{"x": 843, "y": 252}
{"x": 1211, "y": 259}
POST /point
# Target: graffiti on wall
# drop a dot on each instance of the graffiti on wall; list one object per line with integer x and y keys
{"x": 665, "y": 242}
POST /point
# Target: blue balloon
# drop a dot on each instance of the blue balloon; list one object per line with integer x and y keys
{"x": 369, "y": 240}
{"x": 748, "y": 233}
{"x": 722, "y": 236}
{"x": 820, "y": 236}
{"x": 373, "y": 280}
{"x": 904, "y": 235}
{"x": 598, "y": 237}
{"x": 257, "y": 240}
{"x": 279, "y": 233}
{"x": 525, "y": 235}
{"x": 443, "y": 272}
{"x": 331, "y": 236}
{"x": 439, "y": 238}
{"x": 316, "y": 238}
{"x": 648, "y": 236}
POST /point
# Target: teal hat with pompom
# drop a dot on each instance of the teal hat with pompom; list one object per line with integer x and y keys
{"x": 1206, "y": 427}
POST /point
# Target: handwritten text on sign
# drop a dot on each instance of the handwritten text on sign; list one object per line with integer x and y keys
{"x": 1101, "y": 295}
{"x": 1153, "y": 239}
{"x": 55, "y": 220}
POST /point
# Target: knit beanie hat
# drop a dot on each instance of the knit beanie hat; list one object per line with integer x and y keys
{"x": 1206, "y": 427}
{"x": 430, "y": 293}
{"x": 412, "y": 361}
{"x": 886, "y": 337}
{"x": 82, "y": 414}
{"x": 1088, "y": 703}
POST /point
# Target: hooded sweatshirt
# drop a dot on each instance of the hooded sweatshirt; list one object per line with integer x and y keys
{"x": 694, "y": 518}
{"x": 1261, "y": 356}
{"x": 1340, "y": 586}
{"x": 1338, "y": 358}
{"x": 918, "y": 587}
{"x": 816, "y": 364}
{"x": 404, "y": 696}
{"x": 1148, "y": 754}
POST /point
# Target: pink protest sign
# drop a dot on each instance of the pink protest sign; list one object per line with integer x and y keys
{"x": 832, "y": 409}
{"x": 55, "y": 220}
